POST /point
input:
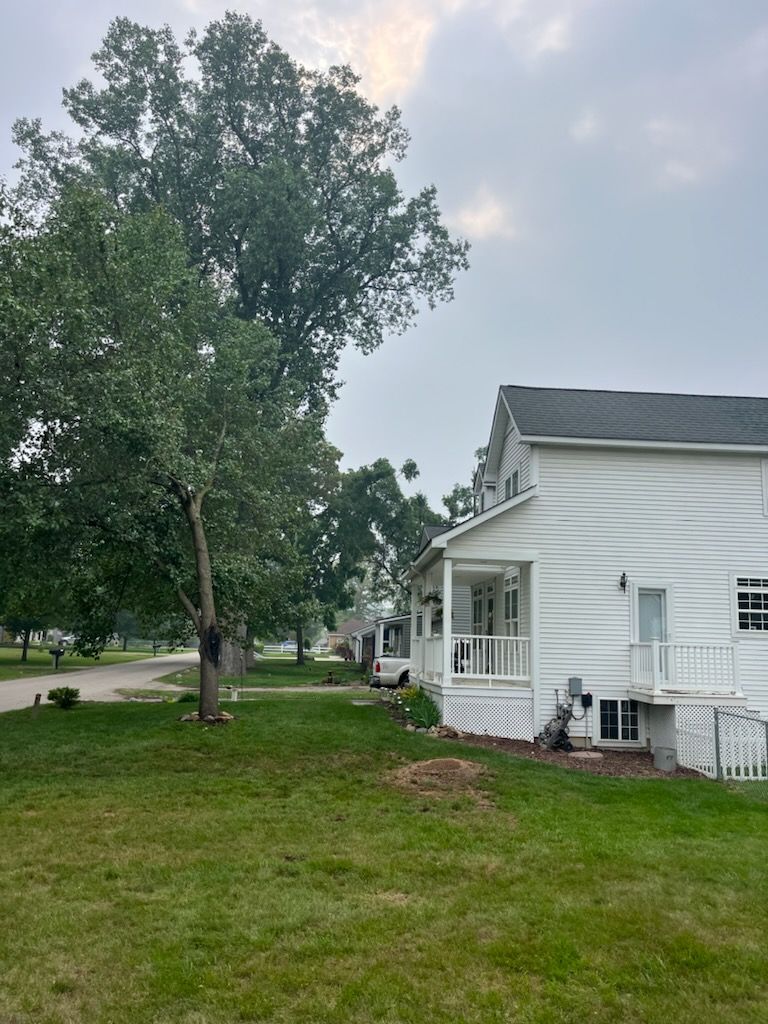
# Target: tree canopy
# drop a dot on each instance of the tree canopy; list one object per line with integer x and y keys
{"x": 282, "y": 178}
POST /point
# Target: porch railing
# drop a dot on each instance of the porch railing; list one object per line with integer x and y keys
{"x": 433, "y": 656}
{"x": 686, "y": 667}
{"x": 491, "y": 657}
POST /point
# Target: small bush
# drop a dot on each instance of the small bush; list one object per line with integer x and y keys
{"x": 64, "y": 697}
{"x": 420, "y": 709}
{"x": 410, "y": 692}
{"x": 188, "y": 697}
{"x": 259, "y": 648}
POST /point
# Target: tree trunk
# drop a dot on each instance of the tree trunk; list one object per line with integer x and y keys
{"x": 250, "y": 656}
{"x": 233, "y": 655}
{"x": 125, "y": 643}
{"x": 24, "y": 644}
{"x": 299, "y": 644}
{"x": 205, "y": 620}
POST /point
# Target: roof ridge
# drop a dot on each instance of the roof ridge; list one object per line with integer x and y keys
{"x": 620, "y": 391}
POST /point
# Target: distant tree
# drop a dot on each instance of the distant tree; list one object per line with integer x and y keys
{"x": 459, "y": 503}
{"x": 23, "y": 625}
{"x": 396, "y": 523}
{"x": 126, "y": 626}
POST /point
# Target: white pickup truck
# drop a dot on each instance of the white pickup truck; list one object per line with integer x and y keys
{"x": 389, "y": 671}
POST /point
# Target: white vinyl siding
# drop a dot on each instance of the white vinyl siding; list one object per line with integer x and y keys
{"x": 462, "y": 609}
{"x": 689, "y": 522}
{"x": 515, "y": 458}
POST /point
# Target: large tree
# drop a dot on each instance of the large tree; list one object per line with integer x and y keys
{"x": 147, "y": 418}
{"x": 282, "y": 182}
{"x": 282, "y": 177}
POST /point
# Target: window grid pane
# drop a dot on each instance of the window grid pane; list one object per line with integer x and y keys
{"x": 752, "y": 603}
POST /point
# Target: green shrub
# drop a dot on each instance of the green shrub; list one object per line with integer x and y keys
{"x": 421, "y": 710}
{"x": 188, "y": 697}
{"x": 64, "y": 696}
{"x": 259, "y": 648}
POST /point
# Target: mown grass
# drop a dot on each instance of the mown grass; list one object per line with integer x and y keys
{"x": 40, "y": 663}
{"x": 279, "y": 672}
{"x": 153, "y": 871}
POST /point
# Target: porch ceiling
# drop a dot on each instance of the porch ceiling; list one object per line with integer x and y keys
{"x": 479, "y": 569}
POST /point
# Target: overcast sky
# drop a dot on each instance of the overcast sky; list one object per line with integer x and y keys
{"x": 606, "y": 158}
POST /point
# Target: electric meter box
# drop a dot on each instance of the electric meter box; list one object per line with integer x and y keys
{"x": 574, "y": 686}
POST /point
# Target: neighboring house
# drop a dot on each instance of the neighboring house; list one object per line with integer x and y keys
{"x": 341, "y": 635}
{"x": 620, "y": 537}
{"x": 390, "y": 635}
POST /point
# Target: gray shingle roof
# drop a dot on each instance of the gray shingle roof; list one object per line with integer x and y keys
{"x": 638, "y": 415}
{"x": 428, "y": 534}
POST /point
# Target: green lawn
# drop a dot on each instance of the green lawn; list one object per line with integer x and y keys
{"x": 153, "y": 872}
{"x": 279, "y": 672}
{"x": 40, "y": 662}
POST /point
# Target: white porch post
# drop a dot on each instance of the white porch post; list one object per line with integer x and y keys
{"x": 428, "y": 606}
{"x": 535, "y": 666}
{"x": 378, "y": 639}
{"x": 416, "y": 642}
{"x": 447, "y": 619}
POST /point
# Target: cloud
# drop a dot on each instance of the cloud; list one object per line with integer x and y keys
{"x": 554, "y": 36}
{"x": 586, "y": 127}
{"x": 685, "y": 153}
{"x": 486, "y": 216}
{"x": 385, "y": 41}
{"x": 537, "y": 29}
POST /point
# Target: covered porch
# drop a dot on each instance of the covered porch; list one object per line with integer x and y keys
{"x": 471, "y": 622}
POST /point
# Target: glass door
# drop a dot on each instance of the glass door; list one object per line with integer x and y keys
{"x": 652, "y": 623}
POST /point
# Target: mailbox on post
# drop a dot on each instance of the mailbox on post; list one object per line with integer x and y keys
{"x": 56, "y": 653}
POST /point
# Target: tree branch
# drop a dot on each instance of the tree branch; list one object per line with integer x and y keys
{"x": 190, "y": 609}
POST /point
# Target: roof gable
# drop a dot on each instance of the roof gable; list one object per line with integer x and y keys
{"x": 638, "y": 416}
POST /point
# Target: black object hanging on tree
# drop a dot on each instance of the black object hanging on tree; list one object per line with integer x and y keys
{"x": 212, "y": 645}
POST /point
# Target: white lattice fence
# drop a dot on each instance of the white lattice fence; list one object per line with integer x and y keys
{"x": 697, "y": 740}
{"x": 695, "y": 725}
{"x": 509, "y": 717}
{"x": 742, "y": 746}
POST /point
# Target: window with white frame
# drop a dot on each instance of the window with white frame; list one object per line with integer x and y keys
{"x": 619, "y": 720}
{"x": 752, "y": 603}
{"x": 515, "y": 482}
{"x": 512, "y": 605}
{"x": 508, "y": 488}
{"x": 392, "y": 640}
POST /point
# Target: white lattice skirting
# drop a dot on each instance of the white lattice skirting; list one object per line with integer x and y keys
{"x": 510, "y": 717}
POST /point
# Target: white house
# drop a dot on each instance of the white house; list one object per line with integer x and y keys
{"x": 619, "y": 537}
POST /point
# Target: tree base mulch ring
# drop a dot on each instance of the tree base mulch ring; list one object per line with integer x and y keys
{"x": 223, "y": 718}
{"x": 442, "y": 777}
{"x": 633, "y": 764}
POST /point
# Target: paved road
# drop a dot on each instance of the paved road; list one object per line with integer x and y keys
{"x": 94, "y": 683}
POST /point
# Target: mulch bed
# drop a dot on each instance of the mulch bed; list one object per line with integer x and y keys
{"x": 621, "y": 763}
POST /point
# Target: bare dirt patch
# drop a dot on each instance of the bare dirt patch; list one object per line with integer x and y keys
{"x": 442, "y": 777}
{"x": 635, "y": 764}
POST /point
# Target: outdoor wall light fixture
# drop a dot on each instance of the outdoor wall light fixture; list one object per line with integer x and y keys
{"x": 623, "y": 582}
